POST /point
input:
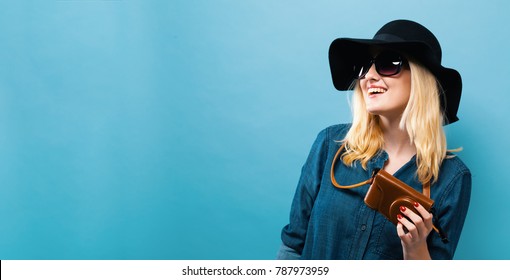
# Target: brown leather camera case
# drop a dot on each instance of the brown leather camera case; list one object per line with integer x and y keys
{"x": 387, "y": 193}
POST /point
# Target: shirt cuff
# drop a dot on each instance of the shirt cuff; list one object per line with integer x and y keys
{"x": 287, "y": 253}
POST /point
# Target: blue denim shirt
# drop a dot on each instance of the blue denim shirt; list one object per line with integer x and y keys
{"x": 331, "y": 223}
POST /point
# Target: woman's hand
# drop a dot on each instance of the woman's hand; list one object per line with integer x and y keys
{"x": 413, "y": 230}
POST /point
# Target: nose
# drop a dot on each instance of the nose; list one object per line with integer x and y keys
{"x": 372, "y": 73}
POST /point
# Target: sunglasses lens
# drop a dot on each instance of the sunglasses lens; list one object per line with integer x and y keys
{"x": 388, "y": 64}
{"x": 361, "y": 69}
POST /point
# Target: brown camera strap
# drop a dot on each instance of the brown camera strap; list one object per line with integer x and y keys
{"x": 425, "y": 187}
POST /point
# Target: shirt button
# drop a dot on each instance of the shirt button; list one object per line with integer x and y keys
{"x": 363, "y": 227}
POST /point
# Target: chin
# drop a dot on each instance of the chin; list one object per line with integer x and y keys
{"x": 375, "y": 112}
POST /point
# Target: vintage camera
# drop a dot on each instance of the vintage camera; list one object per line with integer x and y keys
{"x": 387, "y": 193}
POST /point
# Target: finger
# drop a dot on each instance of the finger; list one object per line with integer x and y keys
{"x": 426, "y": 215}
{"x": 408, "y": 225}
{"x": 423, "y": 227}
{"x": 415, "y": 218}
{"x": 423, "y": 212}
{"x": 402, "y": 234}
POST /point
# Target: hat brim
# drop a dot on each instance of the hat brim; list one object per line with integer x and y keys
{"x": 344, "y": 53}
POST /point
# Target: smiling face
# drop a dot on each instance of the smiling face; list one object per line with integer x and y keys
{"x": 386, "y": 96}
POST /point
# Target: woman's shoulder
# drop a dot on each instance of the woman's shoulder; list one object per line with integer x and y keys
{"x": 453, "y": 169}
{"x": 335, "y": 132}
{"x": 455, "y": 164}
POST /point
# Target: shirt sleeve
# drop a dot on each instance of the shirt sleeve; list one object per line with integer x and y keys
{"x": 294, "y": 234}
{"x": 451, "y": 213}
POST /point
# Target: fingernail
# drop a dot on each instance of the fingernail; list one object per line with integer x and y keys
{"x": 399, "y": 216}
{"x": 416, "y": 204}
{"x": 402, "y": 208}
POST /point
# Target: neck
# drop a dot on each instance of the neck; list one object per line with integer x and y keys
{"x": 396, "y": 140}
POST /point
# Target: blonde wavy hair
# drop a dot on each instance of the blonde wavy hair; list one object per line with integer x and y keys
{"x": 422, "y": 119}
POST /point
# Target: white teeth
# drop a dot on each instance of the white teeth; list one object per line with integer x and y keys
{"x": 376, "y": 90}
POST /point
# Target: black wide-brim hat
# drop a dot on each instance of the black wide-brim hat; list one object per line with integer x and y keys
{"x": 405, "y": 36}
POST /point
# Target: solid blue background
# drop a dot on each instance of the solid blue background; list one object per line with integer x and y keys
{"x": 177, "y": 129}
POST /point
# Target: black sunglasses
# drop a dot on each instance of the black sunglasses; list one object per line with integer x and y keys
{"x": 387, "y": 63}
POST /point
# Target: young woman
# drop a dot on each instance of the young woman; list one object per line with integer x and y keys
{"x": 402, "y": 98}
